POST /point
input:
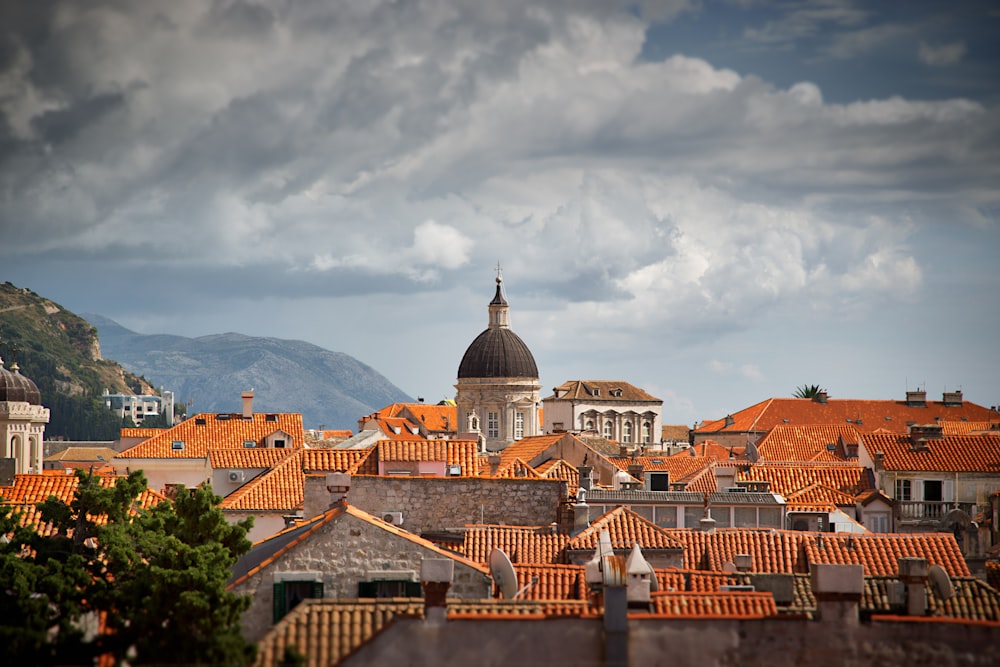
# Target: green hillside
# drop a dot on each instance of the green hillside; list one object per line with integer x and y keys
{"x": 60, "y": 352}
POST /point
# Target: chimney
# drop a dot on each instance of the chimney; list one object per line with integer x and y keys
{"x": 638, "y": 573}
{"x": 913, "y": 574}
{"x": 821, "y": 397}
{"x": 586, "y": 477}
{"x": 581, "y": 512}
{"x": 615, "y": 611}
{"x": 435, "y": 576}
{"x": 729, "y": 420}
{"x": 247, "y": 397}
{"x": 494, "y": 460}
{"x": 635, "y": 469}
{"x": 916, "y": 399}
{"x": 952, "y": 399}
{"x": 879, "y": 461}
{"x": 838, "y": 590}
{"x": 338, "y": 484}
{"x": 743, "y": 562}
{"x": 921, "y": 433}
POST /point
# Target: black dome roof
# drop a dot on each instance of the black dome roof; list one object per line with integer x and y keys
{"x": 15, "y": 387}
{"x": 496, "y": 353}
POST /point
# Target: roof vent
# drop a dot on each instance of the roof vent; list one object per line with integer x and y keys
{"x": 916, "y": 399}
{"x": 952, "y": 399}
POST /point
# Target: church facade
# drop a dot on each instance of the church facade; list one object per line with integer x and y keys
{"x": 22, "y": 420}
{"x": 497, "y": 394}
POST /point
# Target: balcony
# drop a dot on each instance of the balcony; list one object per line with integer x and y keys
{"x": 915, "y": 511}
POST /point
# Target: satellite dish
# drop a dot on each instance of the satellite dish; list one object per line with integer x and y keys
{"x": 941, "y": 582}
{"x": 503, "y": 573}
{"x": 729, "y": 567}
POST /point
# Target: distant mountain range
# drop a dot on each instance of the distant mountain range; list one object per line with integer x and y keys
{"x": 330, "y": 389}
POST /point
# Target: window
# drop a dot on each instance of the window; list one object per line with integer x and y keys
{"x": 288, "y": 594}
{"x": 745, "y": 517}
{"x": 249, "y": 444}
{"x": 588, "y": 425}
{"x": 492, "y": 424}
{"x": 609, "y": 430}
{"x": 666, "y": 517}
{"x": 769, "y": 517}
{"x": 390, "y": 588}
{"x": 878, "y": 522}
{"x": 646, "y": 430}
{"x": 627, "y": 432}
{"x": 177, "y": 444}
{"x": 518, "y": 425}
{"x": 903, "y": 489}
{"x": 932, "y": 490}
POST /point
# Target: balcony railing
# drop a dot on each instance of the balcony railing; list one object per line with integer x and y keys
{"x": 934, "y": 510}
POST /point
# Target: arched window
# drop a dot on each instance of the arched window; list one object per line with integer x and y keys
{"x": 627, "y": 432}
{"x": 609, "y": 430}
{"x": 588, "y": 425}
{"x": 646, "y": 432}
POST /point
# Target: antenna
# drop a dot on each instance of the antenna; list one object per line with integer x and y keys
{"x": 941, "y": 582}
{"x": 503, "y": 574}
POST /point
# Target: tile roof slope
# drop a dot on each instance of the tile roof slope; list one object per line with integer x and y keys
{"x": 967, "y": 427}
{"x": 559, "y": 469}
{"x": 528, "y": 448}
{"x": 675, "y": 579}
{"x": 83, "y": 454}
{"x": 522, "y": 544}
{"x": 398, "y": 428}
{"x": 329, "y": 630}
{"x": 336, "y": 460}
{"x": 514, "y": 469}
{"x": 253, "y": 457}
{"x": 279, "y": 489}
{"x": 437, "y": 418}
{"x": 205, "y": 431}
{"x": 720, "y": 604}
{"x": 137, "y": 432}
{"x": 713, "y": 450}
{"x": 697, "y": 472}
{"x": 584, "y": 389}
{"x": 453, "y": 452}
{"x": 771, "y": 551}
{"x": 880, "y": 553}
{"x": 974, "y": 599}
{"x": 626, "y": 528}
{"x": 554, "y": 581}
{"x": 954, "y": 453}
{"x": 874, "y": 414}
{"x": 818, "y": 494}
{"x": 813, "y": 442}
{"x": 787, "y": 478}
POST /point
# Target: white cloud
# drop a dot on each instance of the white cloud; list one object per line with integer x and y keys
{"x": 941, "y": 55}
{"x": 728, "y": 368}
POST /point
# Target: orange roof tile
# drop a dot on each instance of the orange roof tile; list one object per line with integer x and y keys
{"x": 787, "y": 478}
{"x": 280, "y": 489}
{"x": 953, "y": 453}
{"x": 674, "y": 579}
{"x": 516, "y": 468}
{"x": 216, "y": 431}
{"x": 463, "y": 453}
{"x": 606, "y": 390}
{"x": 554, "y": 582}
{"x": 522, "y": 544}
{"x": 528, "y": 448}
{"x": 880, "y": 553}
{"x": 136, "y": 432}
{"x": 874, "y": 414}
{"x": 712, "y": 449}
{"x": 559, "y": 469}
{"x": 813, "y": 442}
{"x": 337, "y": 460}
{"x": 626, "y": 528}
{"x": 770, "y": 550}
{"x": 714, "y": 605}
{"x": 969, "y": 427}
{"x": 255, "y": 457}
{"x": 818, "y": 494}
{"x": 435, "y": 418}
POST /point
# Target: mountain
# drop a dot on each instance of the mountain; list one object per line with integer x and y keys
{"x": 59, "y": 352}
{"x": 330, "y": 389}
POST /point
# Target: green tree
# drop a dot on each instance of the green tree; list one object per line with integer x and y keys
{"x": 808, "y": 391}
{"x": 156, "y": 577}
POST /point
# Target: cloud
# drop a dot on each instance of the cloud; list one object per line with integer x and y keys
{"x": 941, "y": 55}
{"x": 728, "y": 368}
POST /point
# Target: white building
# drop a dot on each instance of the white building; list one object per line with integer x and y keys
{"x": 613, "y": 409}
{"x": 139, "y": 407}
{"x": 22, "y": 420}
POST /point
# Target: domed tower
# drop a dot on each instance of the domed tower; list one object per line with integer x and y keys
{"x": 22, "y": 420}
{"x": 497, "y": 391}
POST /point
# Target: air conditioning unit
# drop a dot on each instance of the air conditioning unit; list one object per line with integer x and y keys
{"x": 395, "y": 518}
{"x": 237, "y": 476}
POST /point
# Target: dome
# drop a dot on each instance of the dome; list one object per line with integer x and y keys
{"x": 17, "y": 388}
{"x": 498, "y": 352}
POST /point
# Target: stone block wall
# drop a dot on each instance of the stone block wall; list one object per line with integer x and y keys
{"x": 439, "y": 503}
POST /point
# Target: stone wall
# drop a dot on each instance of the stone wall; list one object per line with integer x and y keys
{"x": 439, "y": 503}
{"x": 343, "y": 552}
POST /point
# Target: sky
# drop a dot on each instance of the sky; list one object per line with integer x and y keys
{"x": 717, "y": 202}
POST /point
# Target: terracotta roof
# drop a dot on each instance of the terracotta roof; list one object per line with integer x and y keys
{"x": 607, "y": 390}
{"x": 435, "y": 418}
{"x": 522, "y": 544}
{"x": 770, "y": 550}
{"x": 674, "y": 579}
{"x": 880, "y": 553}
{"x": 874, "y": 414}
{"x": 993, "y": 573}
{"x": 974, "y": 599}
{"x": 396, "y": 428}
{"x": 452, "y": 452}
{"x": 528, "y": 448}
{"x": 695, "y": 471}
{"x": 953, "y": 453}
{"x": 30, "y": 489}
{"x": 136, "y": 432}
{"x": 814, "y": 442}
{"x": 818, "y": 494}
{"x": 559, "y": 469}
{"x": 338, "y": 460}
{"x": 84, "y": 455}
{"x": 969, "y": 427}
{"x": 516, "y": 468}
{"x": 721, "y": 604}
{"x": 626, "y": 528}
{"x": 280, "y": 489}
{"x": 328, "y": 630}
{"x": 207, "y": 431}
{"x": 245, "y": 457}
{"x": 675, "y": 432}
{"x": 555, "y": 582}
{"x": 787, "y": 478}
{"x": 712, "y": 449}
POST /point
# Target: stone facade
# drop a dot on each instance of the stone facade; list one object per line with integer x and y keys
{"x": 429, "y": 504}
{"x": 341, "y": 553}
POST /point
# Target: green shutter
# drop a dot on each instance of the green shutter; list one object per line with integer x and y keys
{"x": 279, "y": 600}
{"x": 367, "y": 589}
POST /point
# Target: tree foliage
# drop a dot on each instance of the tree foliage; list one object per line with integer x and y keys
{"x": 808, "y": 391}
{"x": 156, "y": 578}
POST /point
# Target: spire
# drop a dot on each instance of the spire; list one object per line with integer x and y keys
{"x": 499, "y": 310}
